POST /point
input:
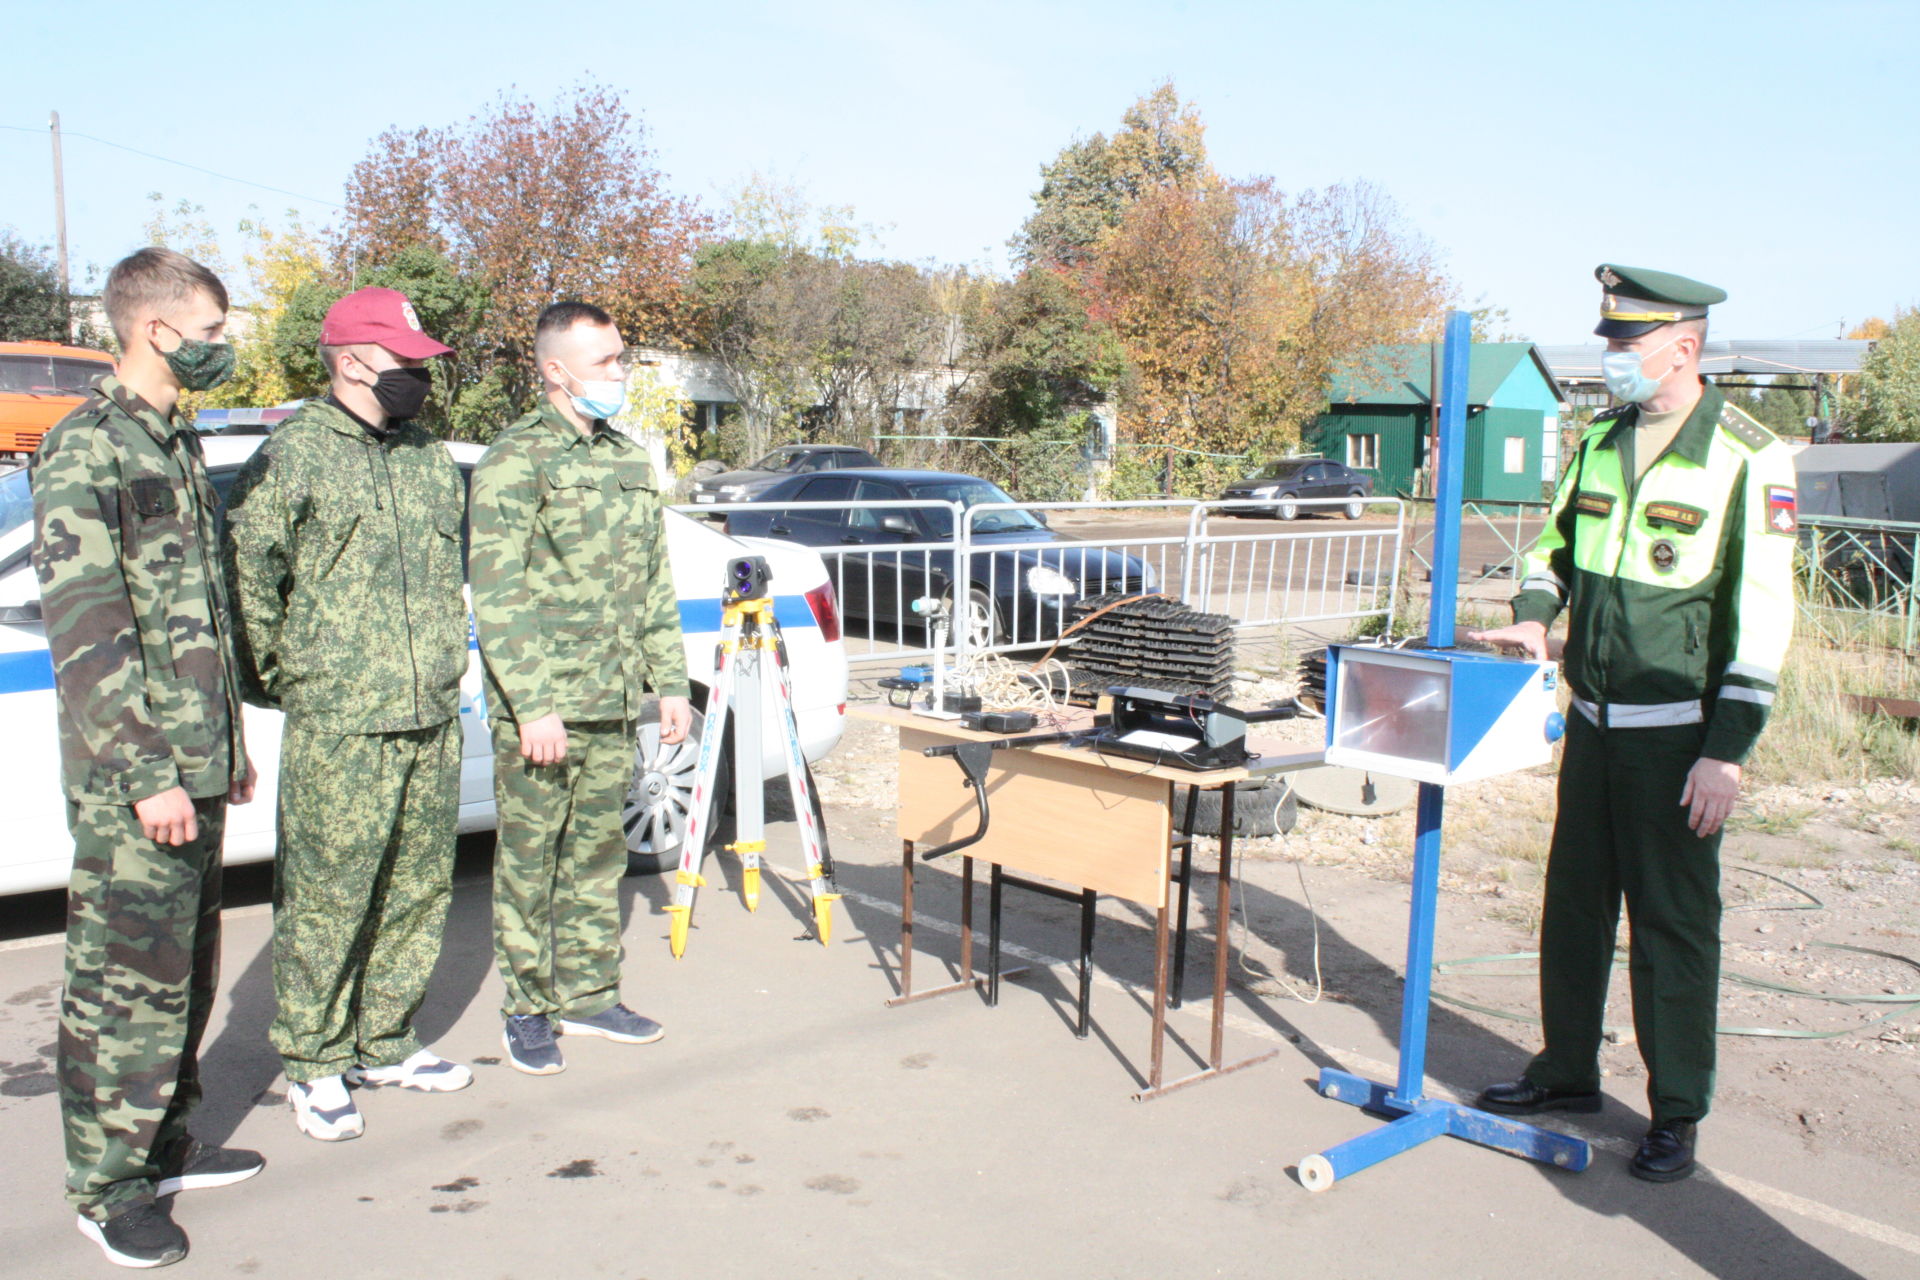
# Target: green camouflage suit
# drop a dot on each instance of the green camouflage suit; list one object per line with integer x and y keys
{"x": 137, "y": 624}
{"x": 344, "y": 546}
{"x": 574, "y": 606}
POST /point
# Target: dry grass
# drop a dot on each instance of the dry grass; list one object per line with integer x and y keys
{"x": 1816, "y": 736}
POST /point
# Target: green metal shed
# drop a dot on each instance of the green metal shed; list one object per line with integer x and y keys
{"x": 1378, "y": 419}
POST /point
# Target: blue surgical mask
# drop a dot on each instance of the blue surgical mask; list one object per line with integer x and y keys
{"x": 598, "y": 399}
{"x": 1625, "y": 376}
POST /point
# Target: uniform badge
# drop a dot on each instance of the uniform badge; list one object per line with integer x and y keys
{"x": 1608, "y": 278}
{"x": 412, "y": 318}
{"x": 1783, "y": 510}
{"x": 1589, "y": 503}
{"x": 1664, "y": 555}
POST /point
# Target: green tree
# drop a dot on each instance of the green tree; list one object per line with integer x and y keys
{"x": 34, "y": 306}
{"x": 1086, "y": 189}
{"x": 1885, "y": 404}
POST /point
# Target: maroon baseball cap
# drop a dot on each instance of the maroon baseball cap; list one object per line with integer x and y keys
{"x": 382, "y": 316}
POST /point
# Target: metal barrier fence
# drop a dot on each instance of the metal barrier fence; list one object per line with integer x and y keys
{"x": 1021, "y": 579}
{"x": 1855, "y": 580}
{"x": 1507, "y": 521}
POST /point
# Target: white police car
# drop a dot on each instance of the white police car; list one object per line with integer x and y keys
{"x": 37, "y": 852}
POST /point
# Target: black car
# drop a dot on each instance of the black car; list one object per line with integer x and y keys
{"x": 747, "y": 483}
{"x": 1281, "y": 485}
{"x": 1022, "y": 577}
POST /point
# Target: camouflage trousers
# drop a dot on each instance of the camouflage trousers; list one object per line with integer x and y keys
{"x": 360, "y": 891}
{"x": 143, "y": 957}
{"x": 557, "y": 868}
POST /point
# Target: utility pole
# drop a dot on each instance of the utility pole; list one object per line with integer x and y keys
{"x": 59, "y": 198}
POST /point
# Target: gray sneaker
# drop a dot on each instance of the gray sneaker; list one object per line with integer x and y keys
{"x": 619, "y": 1024}
{"x": 530, "y": 1045}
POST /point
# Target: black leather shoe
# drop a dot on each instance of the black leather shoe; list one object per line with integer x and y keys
{"x": 1523, "y": 1097}
{"x": 1666, "y": 1153}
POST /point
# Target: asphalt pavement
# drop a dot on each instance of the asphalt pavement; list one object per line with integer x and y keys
{"x": 792, "y": 1125}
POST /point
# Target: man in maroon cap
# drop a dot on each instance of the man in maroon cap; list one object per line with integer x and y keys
{"x": 343, "y": 539}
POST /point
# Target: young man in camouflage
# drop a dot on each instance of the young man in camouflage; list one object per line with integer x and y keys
{"x": 151, "y": 754}
{"x": 344, "y": 537}
{"x": 573, "y": 602}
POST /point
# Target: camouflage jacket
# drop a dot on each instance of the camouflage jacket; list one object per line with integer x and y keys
{"x": 126, "y": 550}
{"x": 573, "y": 593}
{"x": 344, "y": 551}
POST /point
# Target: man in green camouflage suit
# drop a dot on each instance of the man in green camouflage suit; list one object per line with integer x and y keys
{"x": 345, "y": 553}
{"x": 151, "y": 753}
{"x": 574, "y": 607}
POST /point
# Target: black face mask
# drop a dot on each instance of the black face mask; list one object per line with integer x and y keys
{"x": 402, "y": 393}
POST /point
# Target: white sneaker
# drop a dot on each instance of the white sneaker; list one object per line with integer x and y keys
{"x": 425, "y": 1071}
{"x": 324, "y": 1109}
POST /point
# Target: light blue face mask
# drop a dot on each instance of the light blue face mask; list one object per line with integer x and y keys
{"x": 1625, "y": 376}
{"x": 599, "y": 399}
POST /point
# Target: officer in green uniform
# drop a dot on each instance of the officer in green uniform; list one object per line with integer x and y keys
{"x": 1669, "y": 547}
{"x": 574, "y": 607}
{"x": 151, "y": 754}
{"x": 345, "y": 553}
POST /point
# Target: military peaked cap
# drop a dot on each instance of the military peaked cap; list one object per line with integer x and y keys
{"x": 1638, "y": 301}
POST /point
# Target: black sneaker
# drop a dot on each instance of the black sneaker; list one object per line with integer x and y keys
{"x": 204, "y": 1166}
{"x": 618, "y": 1024}
{"x": 530, "y": 1045}
{"x": 143, "y": 1236}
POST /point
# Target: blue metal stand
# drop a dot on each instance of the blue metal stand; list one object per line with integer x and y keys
{"x": 1419, "y": 1118}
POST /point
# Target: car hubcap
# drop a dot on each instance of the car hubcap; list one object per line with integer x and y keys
{"x": 656, "y": 809}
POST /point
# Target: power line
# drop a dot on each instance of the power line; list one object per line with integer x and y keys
{"x": 224, "y": 177}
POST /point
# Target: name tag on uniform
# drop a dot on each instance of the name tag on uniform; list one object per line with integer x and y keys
{"x": 1675, "y": 515}
{"x": 1589, "y": 503}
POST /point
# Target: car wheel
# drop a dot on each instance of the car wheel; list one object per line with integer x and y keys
{"x": 1356, "y": 504}
{"x": 982, "y": 619}
{"x": 1287, "y": 508}
{"x": 1261, "y": 807}
{"x": 655, "y": 813}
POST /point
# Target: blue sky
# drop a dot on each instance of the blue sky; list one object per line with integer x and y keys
{"x": 1765, "y": 147}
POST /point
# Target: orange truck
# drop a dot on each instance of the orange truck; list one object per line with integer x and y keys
{"x": 40, "y": 382}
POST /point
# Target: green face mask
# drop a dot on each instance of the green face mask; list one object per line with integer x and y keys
{"x": 200, "y": 366}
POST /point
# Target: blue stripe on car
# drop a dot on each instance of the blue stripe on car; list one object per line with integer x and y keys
{"x": 29, "y": 670}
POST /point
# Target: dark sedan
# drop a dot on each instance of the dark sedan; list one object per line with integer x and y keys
{"x": 1022, "y": 577}
{"x": 747, "y": 483}
{"x": 1280, "y": 486}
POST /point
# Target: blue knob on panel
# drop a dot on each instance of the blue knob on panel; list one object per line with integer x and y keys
{"x": 1556, "y": 727}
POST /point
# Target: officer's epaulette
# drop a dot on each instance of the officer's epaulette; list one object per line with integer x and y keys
{"x": 1745, "y": 429}
{"x": 1610, "y": 414}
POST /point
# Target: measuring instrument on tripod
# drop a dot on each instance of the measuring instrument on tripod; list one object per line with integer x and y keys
{"x": 751, "y": 670}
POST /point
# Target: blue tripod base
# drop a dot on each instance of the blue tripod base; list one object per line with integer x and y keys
{"x": 1421, "y": 1120}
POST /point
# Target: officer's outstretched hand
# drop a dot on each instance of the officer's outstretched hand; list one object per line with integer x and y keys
{"x": 168, "y": 818}
{"x": 676, "y": 718}
{"x": 544, "y": 741}
{"x": 1712, "y": 786}
{"x": 1528, "y": 637}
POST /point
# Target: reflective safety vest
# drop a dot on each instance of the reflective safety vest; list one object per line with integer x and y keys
{"x": 1679, "y": 588}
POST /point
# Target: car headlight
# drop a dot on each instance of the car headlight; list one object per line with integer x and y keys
{"x": 1267, "y": 492}
{"x": 1043, "y": 581}
{"x": 1149, "y": 580}
{"x": 733, "y": 491}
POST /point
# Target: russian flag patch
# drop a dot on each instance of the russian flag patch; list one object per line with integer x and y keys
{"x": 1782, "y": 510}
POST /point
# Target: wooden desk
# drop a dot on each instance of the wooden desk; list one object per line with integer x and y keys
{"x": 1103, "y": 824}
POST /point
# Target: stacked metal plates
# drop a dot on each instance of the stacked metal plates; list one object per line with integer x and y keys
{"x": 1153, "y": 643}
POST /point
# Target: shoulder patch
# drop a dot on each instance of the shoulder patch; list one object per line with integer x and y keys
{"x": 1745, "y": 429}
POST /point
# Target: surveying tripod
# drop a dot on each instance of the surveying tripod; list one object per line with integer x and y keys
{"x": 742, "y": 678}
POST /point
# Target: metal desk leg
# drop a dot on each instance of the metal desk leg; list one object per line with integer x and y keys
{"x": 1186, "y": 882}
{"x": 906, "y": 919}
{"x": 1087, "y": 917}
{"x": 1222, "y": 951}
{"x": 1158, "y": 1065}
{"x": 993, "y": 936}
{"x": 1222, "y": 925}
{"x": 967, "y": 981}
